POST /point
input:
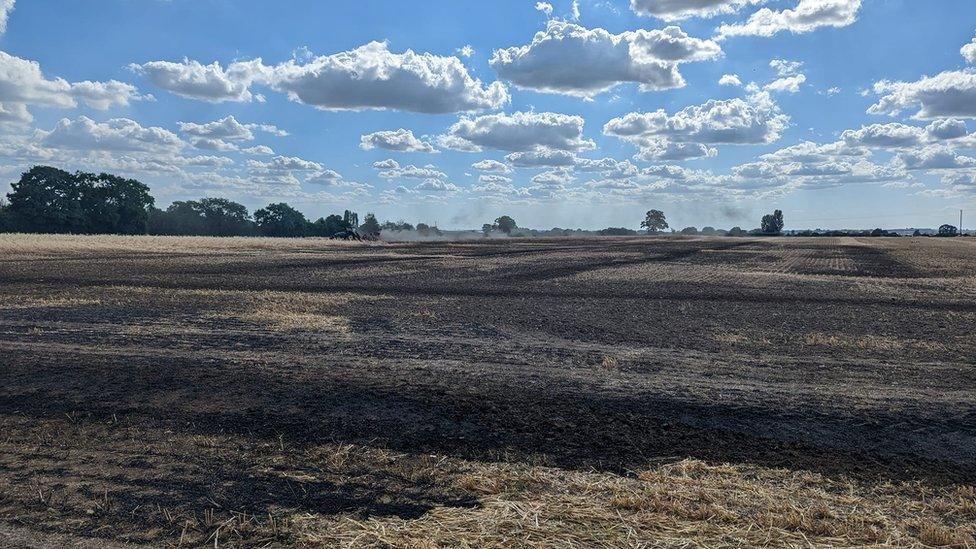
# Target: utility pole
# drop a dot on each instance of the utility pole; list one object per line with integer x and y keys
{"x": 960, "y": 223}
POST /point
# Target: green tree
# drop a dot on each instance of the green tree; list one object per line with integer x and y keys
{"x": 224, "y": 217}
{"x": 281, "y": 220}
{"x": 47, "y": 200}
{"x": 329, "y": 226}
{"x": 351, "y": 219}
{"x": 487, "y": 229}
{"x": 772, "y": 224}
{"x": 948, "y": 230}
{"x": 370, "y": 225}
{"x": 654, "y": 221}
{"x": 113, "y": 204}
{"x": 506, "y": 224}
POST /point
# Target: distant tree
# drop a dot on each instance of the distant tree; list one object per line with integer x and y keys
{"x": 709, "y": 231}
{"x": 505, "y": 224}
{"x": 370, "y": 224}
{"x": 396, "y": 226}
{"x": 878, "y": 232}
{"x": 47, "y": 200}
{"x": 114, "y": 205}
{"x": 4, "y": 217}
{"x": 328, "y": 226}
{"x": 351, "y": 219}
{"x": 654, "y": 221}
{"x": 225, "y": 218}
{"x": 917, "y": 233}
{"x": 772, "y": 224}
{"x": 281, "y": 220}
{"x": 689, "y": 230}
{"x": 737, "y": 231}
{"x": 487, "y": 229}
{"x": 617, "y": 231}
{"x": 948, "y": 230}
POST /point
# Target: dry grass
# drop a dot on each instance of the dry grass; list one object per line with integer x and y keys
{"x": 35, "y": 244}
{"x": 683, "y": 504}
{"x": 845, "y": 341}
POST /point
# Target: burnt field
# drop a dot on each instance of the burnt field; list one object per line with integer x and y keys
{"x": 565, "y": 392}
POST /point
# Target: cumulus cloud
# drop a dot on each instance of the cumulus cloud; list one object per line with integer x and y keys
{"x": 22, "y": 82}
{"x": 518, "y": 132}
{"x": 286, "y": 163}
{"x": 6, "y": 6}
{"x": 194, "y": 80}
{"x": 809, "y": 165}
{"x": 493, "y": 166}
{"x": 969, "y": 52}
{"x": 391, "y": 169}
{"x": 951, "y": 93}
{"x": 117, "y": 134}
{"x": 570, "y": 59}
{"x": 401, "y": 140}
{"x": 259, "y": 150}
{"x": 658, "y": 150}
{"x": 808, "y": 15}
{"x": 790, "y": 84}
{"x": 541, "y": 158}
{"x": 493, "y": 178}
{"x": 730, "y": 80}
{"x": 553, "y": 177}
{"x": 672, "y": 10}
{"x": 934, "y": 157}
{"x": 373, "y": 77}
{"x": 226, "y": 128}
{"x": 690, "y": 132}
{"x": 544, "y": 7}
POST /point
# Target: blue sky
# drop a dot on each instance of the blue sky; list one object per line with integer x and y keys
{"x": 843, "y": 113}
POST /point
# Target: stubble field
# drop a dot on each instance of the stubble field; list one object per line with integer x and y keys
{"x": 566, "y": 392}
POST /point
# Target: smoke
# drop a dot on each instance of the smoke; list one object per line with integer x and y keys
{"x": 445, "y": 236}
{"x": 734, "y": 212}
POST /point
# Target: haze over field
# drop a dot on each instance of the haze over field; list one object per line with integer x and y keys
{"x": 582, "y": 113}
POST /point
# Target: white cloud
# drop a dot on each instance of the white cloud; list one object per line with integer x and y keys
{"x": 373, "y": 77}
{"x": 518, "y": 132}
{"x": 193, "y": 80}
{"x": 541, "y": 158}
{"x": 117, "y": 134}
{"x": 715, "y": 122}
{"x": 570, "y": 59}
{"x": 658, "y": 150}
{"x": 785, "y": 67}
{"x": 493, "y": 166}
{"x": 807, "y": 16}
{"x": 493, "y": 178}
{"x": 401, "y": 140}
{"x": 286, "y": 163}
{"x": 391, "y": 169}
{"x": 790, "y": 84}
{"x": 934, "y": 157}
{"x": 23, "y": 82}
{"x": 544, "y": 7}
{"x": 969, "y": 52}
{"x": 466, "y": 50}
{"x": 553, "y": 177}
{"x": 672, "y": 10}
{"x": 437, "y": 186}
{"x": 951, "y": 93}
{"x": 6, "y": 6}
{"x": 730, "y": 80}
{"x": 226, "y": 128}
{"x": 259, "y": 150}
{"x": 213, "y": 144}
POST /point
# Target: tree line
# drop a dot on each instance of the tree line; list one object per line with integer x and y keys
{"x": 50, "y": 200}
